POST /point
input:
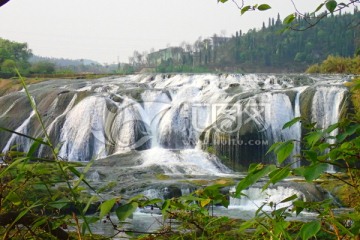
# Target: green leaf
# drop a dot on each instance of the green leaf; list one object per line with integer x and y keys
{"x": 245, "y": 9}
{"x": 310, "y": 155}
{"x": 106, "y": 207}
{"x": 263, "y": 7}
{"x": 319, "y": 7}
{"x": 223, "y": 1}
{"x": 125, "y": 211}
{"x": 34, "y": 146}
{"x": 331, "y": 5}
{"x": 253, "y": 177}
{"x": 313, "y": 172}
{"x": 276, "y": 176}
{"x": 274, "y": 147}
{"x": 279, "y": 174}
{"x": 152, "y": 201}
{"x": 38, "y": 222}
{"x": 288, "y": 199}
{"x": 284, "y": 150}
{"x": 59, "y": 204}
{"x": 313, "y": 137}
{"x": 205, "y": 202}
{"x": 297, "y": 119}
{"x": 12, "y": 165}
{"x": 245, "y": 226}
{"x": 89, "y": 203}
{"x": 309, "y": 230}
{"x": 165, "y": 207}
{"x": 323, "y": 146}
{"x": 289, "y": 19}
{"x": 332, "y": 128}
{"x": 14, "y": 198}
{"x": 80, "y": 176}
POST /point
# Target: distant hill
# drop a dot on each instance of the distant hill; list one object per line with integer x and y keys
{"x": 268, "y": 49}
{"x": 63, "y": 62}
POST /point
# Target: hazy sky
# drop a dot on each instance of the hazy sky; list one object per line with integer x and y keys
{"x": 110, "y": 29}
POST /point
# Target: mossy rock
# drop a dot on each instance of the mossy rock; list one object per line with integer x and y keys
{"x": 346, "y": 194}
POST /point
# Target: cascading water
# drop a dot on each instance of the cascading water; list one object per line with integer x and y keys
{"x": 142, "y": 126}
{"x": 171, "y": 118}
{"x": 22, "y": 143}
{"x": 326, "y": 109}
{"x": 82, "y": 133}
{"x": 254, "y": 198}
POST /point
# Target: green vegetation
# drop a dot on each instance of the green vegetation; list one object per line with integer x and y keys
{"x": 13, "y": 54}
{"x": 335, "y": 64}
{"x": 270, "y": 49}
{"x": 355, "y": 97}
{"x": 43, "y": 67}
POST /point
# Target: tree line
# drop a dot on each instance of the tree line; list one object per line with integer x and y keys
{"x": 18, "y": 55}
{"x": 268, "y": 49}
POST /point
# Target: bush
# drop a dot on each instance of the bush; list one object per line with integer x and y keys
{"x": 337, "y": 65}
{"x": 43, "y": 67}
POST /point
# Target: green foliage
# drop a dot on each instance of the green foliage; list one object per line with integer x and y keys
{"x": 256, "y": 172}
{"x": 309, "y": 230}
{"x": 355, "y": 96}
{"x": 335, "y": 64}
{"x": 268, "y": 49}
{"x": 42, "y": 67}
{"x": 125, "y": 211}
{"x": 13, "y": 54}
{"x": 331, "y": 5}
{"x": 167, "y": 67}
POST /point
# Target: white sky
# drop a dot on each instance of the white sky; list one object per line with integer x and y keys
{"x": 110, "y": 29}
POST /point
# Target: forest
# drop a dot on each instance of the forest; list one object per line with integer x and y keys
{"x": 270, "y": 49}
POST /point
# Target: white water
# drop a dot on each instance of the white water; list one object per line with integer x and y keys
{"x": 326, "y": 109}
{"x": 83, "y": 131}
{"x": 255, "y": 198}
{"x": 296, "y": 128}
{"x": 9, "y": 109}
{"x": 15, "y": 139}
{"x": 169, "y": 115}
{"x": 187, "y": 161}
{"x": 171, "y": 112}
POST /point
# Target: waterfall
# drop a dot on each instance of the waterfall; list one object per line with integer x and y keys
{"x": 50, "y": 128}
{"x": 174, "y": 120}
{"x": 22, "y": 143}
{"x": 326, "y": 109}
{"x": 156, "y": 104}
{"x": 128, "y": 130}
{"x": 255, "y": 197}
{"x": 187, "y": 161}
{"x": 9, "y": 109}
{"x": 296, "y": 128}
{"x": 83, "y": 131}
